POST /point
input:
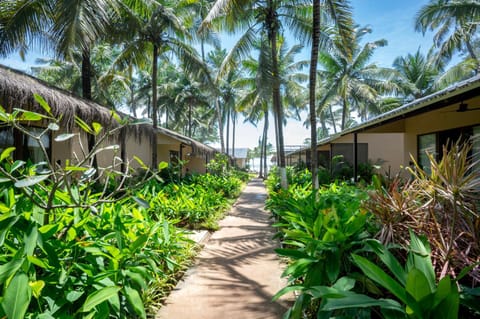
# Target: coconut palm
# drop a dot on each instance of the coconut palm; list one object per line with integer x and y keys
{"x": 255, "y": 86}
{"x": 456, "y": 24}
{"x": 418, "y": 74}
{"x": 262, "y": 19}
{"x": 338, "y": 13}
{"x": 156, "y": 28}
{"x": 350, "y": 78}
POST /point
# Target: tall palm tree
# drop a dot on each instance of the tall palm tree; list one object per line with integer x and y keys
{"x": 156, "y": 27}
{"x": 339, "y": 13}
{"x": 350, "y": 78}
{"x": 456, "y": 24}
{"x": 262, "y": 18}
{"x": 418, "y": 74}
{"x": 255, "y": 102}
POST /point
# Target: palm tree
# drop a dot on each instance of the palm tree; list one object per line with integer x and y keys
{"x": 418, "y": 74}
{"x": 157, "y": 27}
{"x": 350, "y": 79}
{"x": 340, "y": 13}
{"x": 255, "y": 101}
{"x": 456, "y": 25}
{"x": 264, "y": 19}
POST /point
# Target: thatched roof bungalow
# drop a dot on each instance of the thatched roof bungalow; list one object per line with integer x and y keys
{"x": 17, "y": 90}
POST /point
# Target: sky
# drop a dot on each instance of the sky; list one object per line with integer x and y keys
{"x": 392, "y": 20}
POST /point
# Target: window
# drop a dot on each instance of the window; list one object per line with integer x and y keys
{"x": 32, "y": 146}
{"x": 26, "y": 147}
{"x": 346, "y": 150}
{"x": 427, "y": 144}
{"x": 476, "y": 147}
{"x": 174, "y": 157}
{"x": 6, "y": 138}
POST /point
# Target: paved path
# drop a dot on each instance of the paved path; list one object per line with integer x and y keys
{"x": 237, "y": 272}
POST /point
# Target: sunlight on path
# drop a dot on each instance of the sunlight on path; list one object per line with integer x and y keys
{"x": 237, "y": 272}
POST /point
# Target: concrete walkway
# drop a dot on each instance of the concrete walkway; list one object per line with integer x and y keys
{"x": 237, "y": 272}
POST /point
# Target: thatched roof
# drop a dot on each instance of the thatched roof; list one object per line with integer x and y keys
{"x": 197, "y": 147}
{"x": 17, "y": 90}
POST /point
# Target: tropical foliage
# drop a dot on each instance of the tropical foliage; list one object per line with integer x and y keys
{"x": 74, "y": 247}
{"x": 397, "y": 249}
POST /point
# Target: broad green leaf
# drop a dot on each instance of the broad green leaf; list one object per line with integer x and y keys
{"x": 53, "y": 127}
{"x": 76, "y": 168}
{"x": 162, "y": 165}
{"x": 417, "y": 284}
{"x": 135, "y": 301}
{"x": 137, "y": 278}
{"x": 97, "y": 127}
{"x": 17, "y": 297}
{"x": 64, "y": 137}
{"x": 40, "y": 100}
{"x": 449, "y": 299}
{"x": 30, "y": 240}
{"x": 98, "y": 297}
{"x": 143, "y": 203}
{"x": 376, "y": 274}
{"x": 89, "y": 173}
{"x": 10, "y": 268}
{"x": 139, "y": 161}
{"x": 6, "y": 153}
{"x": 419, "y": 257}
{"x": 37, "y": 287}
{"x": 115, "y": 116}
{"x": 30, "y": 181}
{"x": 354, "y": 300}
{"x": 73, "y": 295}
{"x": 317, "y": 226}
{"x": 291, "y": 253}
{"x": 4, "y": 209}
{"x": 333, "y": 265}
{"x": 286, "y": 290}
{"x": 344, "y": 284}
{"x": 4, "y": 179}
{"x": 39, "y": 262}
{"x": 389, "y": 260}
{"x": 16, "y": 165}
{"x": 83, "y": 125}
{"x": 31, "y": 116}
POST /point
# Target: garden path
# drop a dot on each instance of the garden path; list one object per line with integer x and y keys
{"x": 237, "y": 272}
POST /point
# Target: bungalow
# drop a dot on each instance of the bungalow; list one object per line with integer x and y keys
{"x": 424, "y": 125}
{"x": 239, "y": 155}
{"x": 17, "y": 91}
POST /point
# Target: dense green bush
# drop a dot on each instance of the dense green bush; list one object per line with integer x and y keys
{"x": 79, "y": 242}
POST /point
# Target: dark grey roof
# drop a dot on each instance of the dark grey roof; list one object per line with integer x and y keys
{"x": 410, "y": 109}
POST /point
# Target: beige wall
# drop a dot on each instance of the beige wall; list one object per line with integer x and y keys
{"x": 386, "y": 149}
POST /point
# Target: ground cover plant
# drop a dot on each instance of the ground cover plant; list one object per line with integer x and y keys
{"x": 414, "y": 256}
{"x": 75, "y": 242}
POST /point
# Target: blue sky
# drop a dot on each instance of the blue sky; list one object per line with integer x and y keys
{"x": 392, "y": 20}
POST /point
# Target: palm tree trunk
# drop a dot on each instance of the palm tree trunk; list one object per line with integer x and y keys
{"x": 228, "y": 130}
{"x": 333, "y": 119}
{"x": 154, "y": 106}
{"x": 344, "y": 113}
{"x": 234, "y": 124}
{"x": 220, "y": 125}
{"x": 87, "y": 94}
{"x": 265, "y": 141}
{"x": 277, "y": 101}
{"x": 312, "y": 86}
{"x": 261, "y": 154}
{"x": 189, "y": 119}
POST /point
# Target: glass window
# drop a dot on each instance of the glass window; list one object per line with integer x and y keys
{"x": 34, "y": 151}
{"x": 476, "y": 147}
{"x": 427, "y": 144}
{"x": 6, "y": 138}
